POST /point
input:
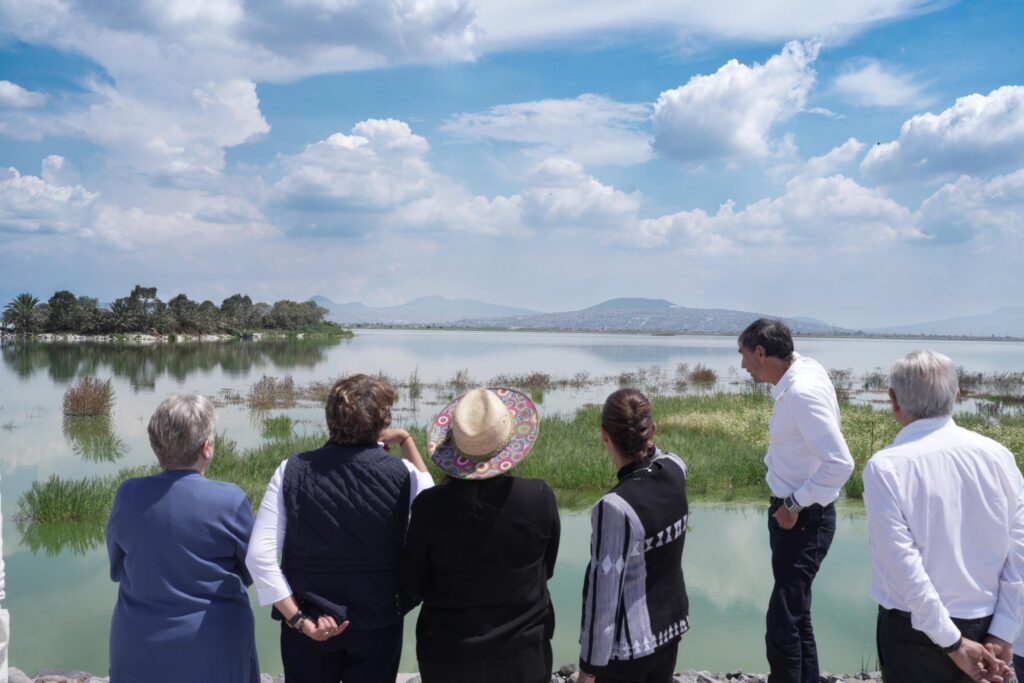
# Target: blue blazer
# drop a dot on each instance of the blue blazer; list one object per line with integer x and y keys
{"x": 177, "y": 544}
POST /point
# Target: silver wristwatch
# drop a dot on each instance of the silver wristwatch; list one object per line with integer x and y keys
{"x": 791, "y": 504}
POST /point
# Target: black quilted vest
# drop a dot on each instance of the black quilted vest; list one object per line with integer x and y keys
{"x": 347, "y": 511}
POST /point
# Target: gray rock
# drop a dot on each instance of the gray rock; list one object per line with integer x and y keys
{"x": 567, "y": 670}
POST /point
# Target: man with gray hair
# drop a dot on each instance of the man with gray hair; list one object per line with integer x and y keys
{"x": 946, "y": 520}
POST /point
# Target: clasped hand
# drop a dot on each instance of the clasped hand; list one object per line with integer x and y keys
{"x": 988, "y": 663}
{"x": 322, "y": 628}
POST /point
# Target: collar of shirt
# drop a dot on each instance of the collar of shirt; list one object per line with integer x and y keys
{"x": 787, "y": 379}
{"x": 922, "y": 427}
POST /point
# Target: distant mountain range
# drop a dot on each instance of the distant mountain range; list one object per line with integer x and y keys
{"x": 645, "y": 315}
{"x": 620, "y": 315}
{"x": 1004, "y": 322}
{"x": 423, "y": 311}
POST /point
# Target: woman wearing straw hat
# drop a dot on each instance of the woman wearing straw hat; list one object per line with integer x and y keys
{"x": 482, "y": 546}
{"x": 634, "y": 598}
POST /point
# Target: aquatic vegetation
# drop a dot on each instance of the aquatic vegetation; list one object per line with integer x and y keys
{"x": 702, "y": 374}
{"x": 271, "y": 392}
{"x": 277, "y": 428}
{"x": 89, "y": 397}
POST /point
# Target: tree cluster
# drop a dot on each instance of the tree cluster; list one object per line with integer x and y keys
{"x": 143, "y": 311}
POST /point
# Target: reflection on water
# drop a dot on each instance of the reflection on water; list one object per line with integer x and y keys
{"x": 93, "y": 438}
{"x": 54, "y": 539}
{"x": 142, "y": 365}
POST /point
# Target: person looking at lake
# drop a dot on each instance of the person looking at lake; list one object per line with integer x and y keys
{"x": 482, "y": 546}
{"x": 808, "y": 465}
{"x": 946, "y": 521}
{"x": 339, "y": 514}
{"x": 177, "y": 544}
{"x": 635, "y": 606}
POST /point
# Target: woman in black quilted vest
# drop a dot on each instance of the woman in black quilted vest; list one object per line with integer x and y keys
{"x": 482, "y": 546}
{"x": 338, "y": 516}
{"x": 634, "y": 598}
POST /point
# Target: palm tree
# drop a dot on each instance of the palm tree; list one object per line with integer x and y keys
{"x": 23, "y": 314}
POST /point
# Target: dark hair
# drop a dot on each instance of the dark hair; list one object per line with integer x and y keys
{"x": 358, "y": 409}
{"x": 626, "y": 417}
{"x": 773, "y": 335}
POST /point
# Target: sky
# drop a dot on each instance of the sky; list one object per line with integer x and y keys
{"x": 861, "y": 163}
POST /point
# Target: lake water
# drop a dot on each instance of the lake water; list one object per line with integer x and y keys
{"x": 61, "y": 598}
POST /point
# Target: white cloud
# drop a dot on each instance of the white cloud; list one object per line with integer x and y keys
{"x": 591, "y": 129}
{"x": 834, "y": 160}
{"x": 379, "y": 177}
{"x": 516, "y": 23}
{"x": 991, "y": 211}
{"x": 136, "y": 228}
{"x": 827, "y": 213}
{"x": 978, "y": 134}
{"x": 33, "y": 204}
{"x": 561, "y": 194}
{"x": 14, "y": 96}
{"x": 729, "y": 114}
{"x": 871, "y": 83}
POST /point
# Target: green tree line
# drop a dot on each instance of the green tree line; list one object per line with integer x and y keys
{"x": 143, "y": 311}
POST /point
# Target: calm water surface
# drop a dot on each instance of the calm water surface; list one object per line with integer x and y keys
{"x": 61, "y": 598}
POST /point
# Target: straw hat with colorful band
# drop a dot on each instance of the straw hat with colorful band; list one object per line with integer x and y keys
{"x": 485, "y": 433}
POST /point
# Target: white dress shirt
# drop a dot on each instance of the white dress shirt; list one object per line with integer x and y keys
{"x": 263, "y": 557}
{"x": 946, "y": 520}
{"x": 807, "y": 455}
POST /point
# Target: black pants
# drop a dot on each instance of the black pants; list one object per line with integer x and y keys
{"x": 907, "y": 655}
{"x": 796, "y": 556}
{"x": 353, "y": 657}
{"x": 654, "y": 668}
{"x": 527, "y": 665}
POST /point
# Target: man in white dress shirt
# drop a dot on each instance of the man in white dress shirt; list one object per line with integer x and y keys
{"x": 808, "y": 464}
{"x": 946, "y": 518}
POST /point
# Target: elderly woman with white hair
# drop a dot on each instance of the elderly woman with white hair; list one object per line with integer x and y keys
{"x": 177, "y": 544}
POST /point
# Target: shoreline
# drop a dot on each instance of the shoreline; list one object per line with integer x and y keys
{"x": 145, "y": 339}
{"x": 565, "y": 674}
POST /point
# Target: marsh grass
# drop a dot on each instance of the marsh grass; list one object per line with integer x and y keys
{"x": 271, "y": 392}
{"x": 721, "y": 436}
{"x": 702, "y": 374}
{"x": 278, "y": 428}
{"x": 89, "y": 397}
{"x": 54, "y": 539}
{"x": 93, "y": 438}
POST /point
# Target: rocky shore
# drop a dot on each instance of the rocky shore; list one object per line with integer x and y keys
{"x": 566, "y": 674}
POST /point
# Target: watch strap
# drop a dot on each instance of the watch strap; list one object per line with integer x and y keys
{"x": 954, "y": 647}
{"x": 296, "y": 620}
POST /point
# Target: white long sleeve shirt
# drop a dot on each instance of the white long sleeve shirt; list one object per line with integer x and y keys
{"x": 807, "y": 455}
{"x": 946, "y": 519}
{"x": 263, "y": 557}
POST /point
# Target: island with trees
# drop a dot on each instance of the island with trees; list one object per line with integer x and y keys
{"x": 143, "y": 313}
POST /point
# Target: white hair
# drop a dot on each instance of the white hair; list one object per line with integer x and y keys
{"x": 925, "y": 383}
{"x": 180, "y": 427}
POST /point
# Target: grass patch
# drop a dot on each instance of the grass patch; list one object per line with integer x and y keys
{"x": 278, "y": 428}
{"x": 271, "y": 392}
{"x": 89, "y": 397}
{"x": 722, "y": 437}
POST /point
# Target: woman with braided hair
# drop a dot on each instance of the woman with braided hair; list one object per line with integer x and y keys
{"x": 634, "y": 598}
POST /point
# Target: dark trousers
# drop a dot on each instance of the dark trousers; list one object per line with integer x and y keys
{"x": 654, "y": 668}
{"x": 796, "y": 556}
{"x": 1018, "y": 667}
{"x": 526, "y": 665}
{"x": 907, "y": 655}
{"x": 370, "y": 656}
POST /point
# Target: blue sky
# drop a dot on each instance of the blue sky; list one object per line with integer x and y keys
{"x": 862, "y": 163}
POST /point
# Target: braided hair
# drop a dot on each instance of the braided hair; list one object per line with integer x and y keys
{"x": 626, "y": 417}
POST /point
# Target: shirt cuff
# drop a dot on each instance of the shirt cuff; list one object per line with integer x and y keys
{"x": 268, "y": 593}
{"x": 1005, "y": 628}
{"x": 946, "y": 634}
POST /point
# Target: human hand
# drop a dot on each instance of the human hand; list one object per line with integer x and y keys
{"x": 585, "y": 678}
{"x": 1000, "y": 648}
{"x": 785, "y": 518}
{"x": 322, "y": 628}
{"x": 393, "y": 437}
{"x": 978, "y": 662}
